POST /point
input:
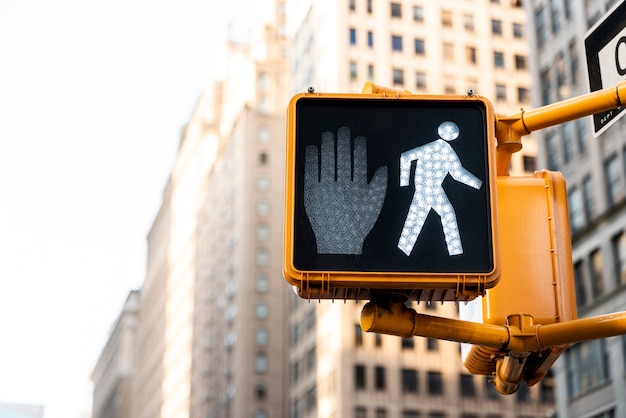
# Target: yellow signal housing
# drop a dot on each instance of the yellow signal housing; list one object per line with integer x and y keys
{"x": 385, "y": 119}
{"x": 537, "y": 274}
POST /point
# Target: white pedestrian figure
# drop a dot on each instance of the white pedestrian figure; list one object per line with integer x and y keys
{"x": 435, "y": 161}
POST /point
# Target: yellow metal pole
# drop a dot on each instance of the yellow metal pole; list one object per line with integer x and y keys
{"x": 510, "y": 129}
{"x": 582, "y": 329}
{"x": 396, "y": 319}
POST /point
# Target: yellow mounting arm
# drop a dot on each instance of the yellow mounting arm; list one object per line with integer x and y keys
{"x": 510, "y": 129}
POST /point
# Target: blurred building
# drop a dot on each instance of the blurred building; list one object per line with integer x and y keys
{"x": 14, "y": 410}
{"x": 424, "y": 47}
{"x": 591, "y": 376}
{"x": 112, "y": 375}
{"x": 212, "y": 317}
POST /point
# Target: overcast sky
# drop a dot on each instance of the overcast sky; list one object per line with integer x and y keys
{"x": 93, "y": 96}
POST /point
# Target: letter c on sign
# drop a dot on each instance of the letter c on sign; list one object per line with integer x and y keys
{"x": 621, "y": 70}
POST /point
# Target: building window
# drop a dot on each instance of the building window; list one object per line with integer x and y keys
{"x": 619, "y": 256}
{"x": 576, "y": 214}
{"x": 579, "y": 284}
{"x": 569, "y": 141}
{"x": 262, "y": 283}
{"x": 260, "y": 390}
{"x": 523, "y": 95}
{"x": 468, "y": 22}
{"x": 581, "y": 134}
{"x": 381, "y": 413}
{"x": 435, "y": 383}
{"x": 263, "y": 183}
{"x": 408, "y": 343}
{"x": 353, "y": 70}
{"x": 468, "y": 389}
{"x": 540, "y": 25}
{"x": 588, "y": 198}
{"x": 586, "y": 366}
{"x": 410, "y": 413}
{"x": 574, "y": 63}
{"x": 432, "y": 344}
{"x": 552, "y": 148}
{"x": 262, "y": 232}
{"x": 263, "y": 83}
{"x": 263, "y": 158}
{"x": 352, "y": 36}
{"x": 446, "y": 18}
{"x": 352, "y": 5}
{"x": 546, "y": 86}
{"x": 418, "y": 13}
{"x": 530, "y": 163}
{"x": 409, "y": 381}
{"x": 496, "y": 27}
{"x": 262, "y": 337}
{"x": 396, "y": 43}
{"x": 498, "y": 59}
{"x": 420, "y": 47}
{"x": 420, "y": 80}
{"x": 370, "y": 72}
{"x": 596, "y": 273}
{"x": 378, "y": 340}
{"x": 470, "y": 55}
{"x": 369, "y": 6}
{"x": 523, "y": 394}
{"x": 311, "y": 399}
{"x": 561, "y": 81}
{"x": 624, "y": 349}
{"x": 263, "y": 105}
{"x": 311, "y": 359}
{"x": 501, "y": 92}
{"x": 555, "y": 17}
{"x": 263, "y": 207}
{"x": 370, "y": 39}
{"x": 518, "y": 30}
{"x": 264, "y": 135}
{"x": 262, "y": 257}
{"x": 490, "y": 389}
{"x": 260, "y": 363}
{"x": 520, "y": 62}
{"x": 380, "y": 381}
{"x": 396, "y": 10}
{"x": 359, "y": 377}
{"x": 260, "y": 413}
{"x": 614, "y": 180}
{"x": 398, "y": 76}
{"x": 546, "y": 389}
{"x": 360, "y": 412}
{"x": 261, "y": 310}
{"x": 448, "y": 51}
{"x": 358, "y": 336}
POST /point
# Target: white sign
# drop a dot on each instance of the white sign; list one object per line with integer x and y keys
{"x": 605, "y": 46}
{"x": 613, "y": 60}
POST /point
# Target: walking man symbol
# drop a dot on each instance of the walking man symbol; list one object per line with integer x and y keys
{"x": 434, "y": 161}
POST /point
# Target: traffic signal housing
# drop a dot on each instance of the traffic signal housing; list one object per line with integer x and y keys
{"x": 392, "y": 194}
{"x": 537, "y": 277}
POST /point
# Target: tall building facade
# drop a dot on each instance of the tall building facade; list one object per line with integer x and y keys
{"x": 424, "y": 47}
{"x": 591, "y": 376}
{"x": 113, "y": 373}
{"x": 11, "y": 410}
{"x": 212, "y": 317}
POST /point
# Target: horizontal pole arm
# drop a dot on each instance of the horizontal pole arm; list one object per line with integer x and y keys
{"x": 582, "y": 329}
{"x": 510, "y": 129}
{"x": 397, "y": 319}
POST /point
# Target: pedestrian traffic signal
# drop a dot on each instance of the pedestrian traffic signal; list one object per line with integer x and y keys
{"x": 390, "y": 193}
